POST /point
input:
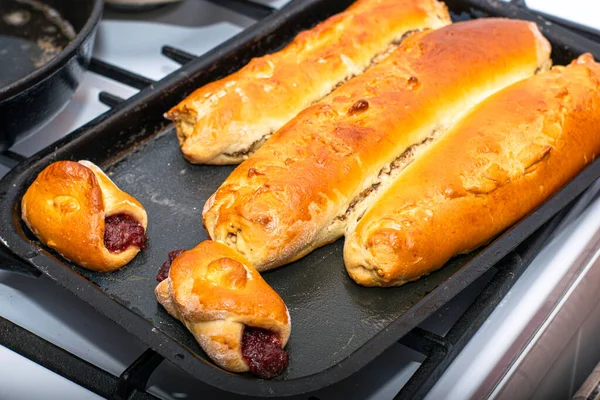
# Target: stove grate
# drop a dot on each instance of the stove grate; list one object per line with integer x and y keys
{"x": 110, "y": 100}
{"x": 10, "y": 159}
{"x": 119, "y": 74}
{"x": 72, "y": 367}
{"x": 179, "y": 56}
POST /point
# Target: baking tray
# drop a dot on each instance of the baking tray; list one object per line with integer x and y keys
{"x": 338, "y": 326}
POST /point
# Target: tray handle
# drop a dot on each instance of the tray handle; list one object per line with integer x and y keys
{"x": 136, "y": 376}
{"x": 10, "y": 262}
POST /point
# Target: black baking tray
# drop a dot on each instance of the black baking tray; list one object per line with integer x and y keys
{"x": 338, "y": 326}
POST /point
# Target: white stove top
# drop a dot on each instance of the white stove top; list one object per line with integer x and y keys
{"x": 54, "y": 314}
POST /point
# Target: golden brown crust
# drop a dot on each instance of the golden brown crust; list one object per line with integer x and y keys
{"x": 216, "y": 292}
{"x": 65, "y": 208}
{"x": 292, "y": 195}
{"x": 504, "y": 159}
{"x": 220, "y": 122}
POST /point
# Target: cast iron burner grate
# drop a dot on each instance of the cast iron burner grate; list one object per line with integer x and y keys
{"x": 439, "y": 351}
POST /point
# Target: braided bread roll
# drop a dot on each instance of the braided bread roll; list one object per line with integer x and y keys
{"x": 74, "y": 208}
{"x": 228, "y": 307}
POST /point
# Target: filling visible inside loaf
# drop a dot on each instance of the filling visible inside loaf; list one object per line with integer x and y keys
{"x": 263, "y": 352}
{"x": 374, "y": 61}
{"x": 358, "y": 206}
{"x": 244, "y": 153}
{"x": 163, "y": 272}
{"x": 388, "y": 174}
{"x": 251, "y": 149}
{"x": 122, "y": 231}
{"x": 390, "y": 49}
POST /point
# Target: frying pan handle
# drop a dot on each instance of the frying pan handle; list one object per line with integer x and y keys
{"x": 10, "y": 262}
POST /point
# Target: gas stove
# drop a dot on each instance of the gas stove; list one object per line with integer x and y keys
{"x": 498, "y": 338}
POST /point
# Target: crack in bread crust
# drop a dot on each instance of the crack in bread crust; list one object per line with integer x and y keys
{"x": 241, "y": 155}
{"x": 385, "y": 177}
{"x": 224, "y": 121}
{"x": 390, "y": 172}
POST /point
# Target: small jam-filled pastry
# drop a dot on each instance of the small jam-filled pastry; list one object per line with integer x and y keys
{"x": 236, "y": 317}
{"x": 74, "y": 208}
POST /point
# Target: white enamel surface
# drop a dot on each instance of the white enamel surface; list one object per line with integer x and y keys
{"x": 583, "y": 11}
{"x": 21, "y": 379}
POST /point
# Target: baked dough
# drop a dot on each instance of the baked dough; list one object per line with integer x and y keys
{"x": 217, "y": 293}
{"x": 66, "y": 207}
{"x": 301, "y": 189}
{"x": 510, "y": 153}
{"x": 225, "y": 121}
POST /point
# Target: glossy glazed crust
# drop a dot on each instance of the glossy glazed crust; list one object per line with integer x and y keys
{"x": 216, "y": 292}
{"x": 296, "y": 192}
{"x": 220, "y": 122}
{"x": 65, "y": 208}
{"x": 499, "y": 163}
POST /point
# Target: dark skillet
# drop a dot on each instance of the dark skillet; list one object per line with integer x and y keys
{"x": 43, "y": 56}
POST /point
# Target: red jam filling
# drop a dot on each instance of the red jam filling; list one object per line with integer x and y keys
{"x": 163, "y": 273}
{"x": 263, "y": 353}
{"x": 122, "y": 231}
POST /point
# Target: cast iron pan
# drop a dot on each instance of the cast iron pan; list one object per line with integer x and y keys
{"x": 44, "y": 50}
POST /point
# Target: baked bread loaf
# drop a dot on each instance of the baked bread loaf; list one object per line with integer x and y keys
{"x": 321, "y": 170}
{"x": 225, "y": 121}
{"x": 74, "y": 208}
{"x": 496, "y": 165}
{"x": 236, "y": 317}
